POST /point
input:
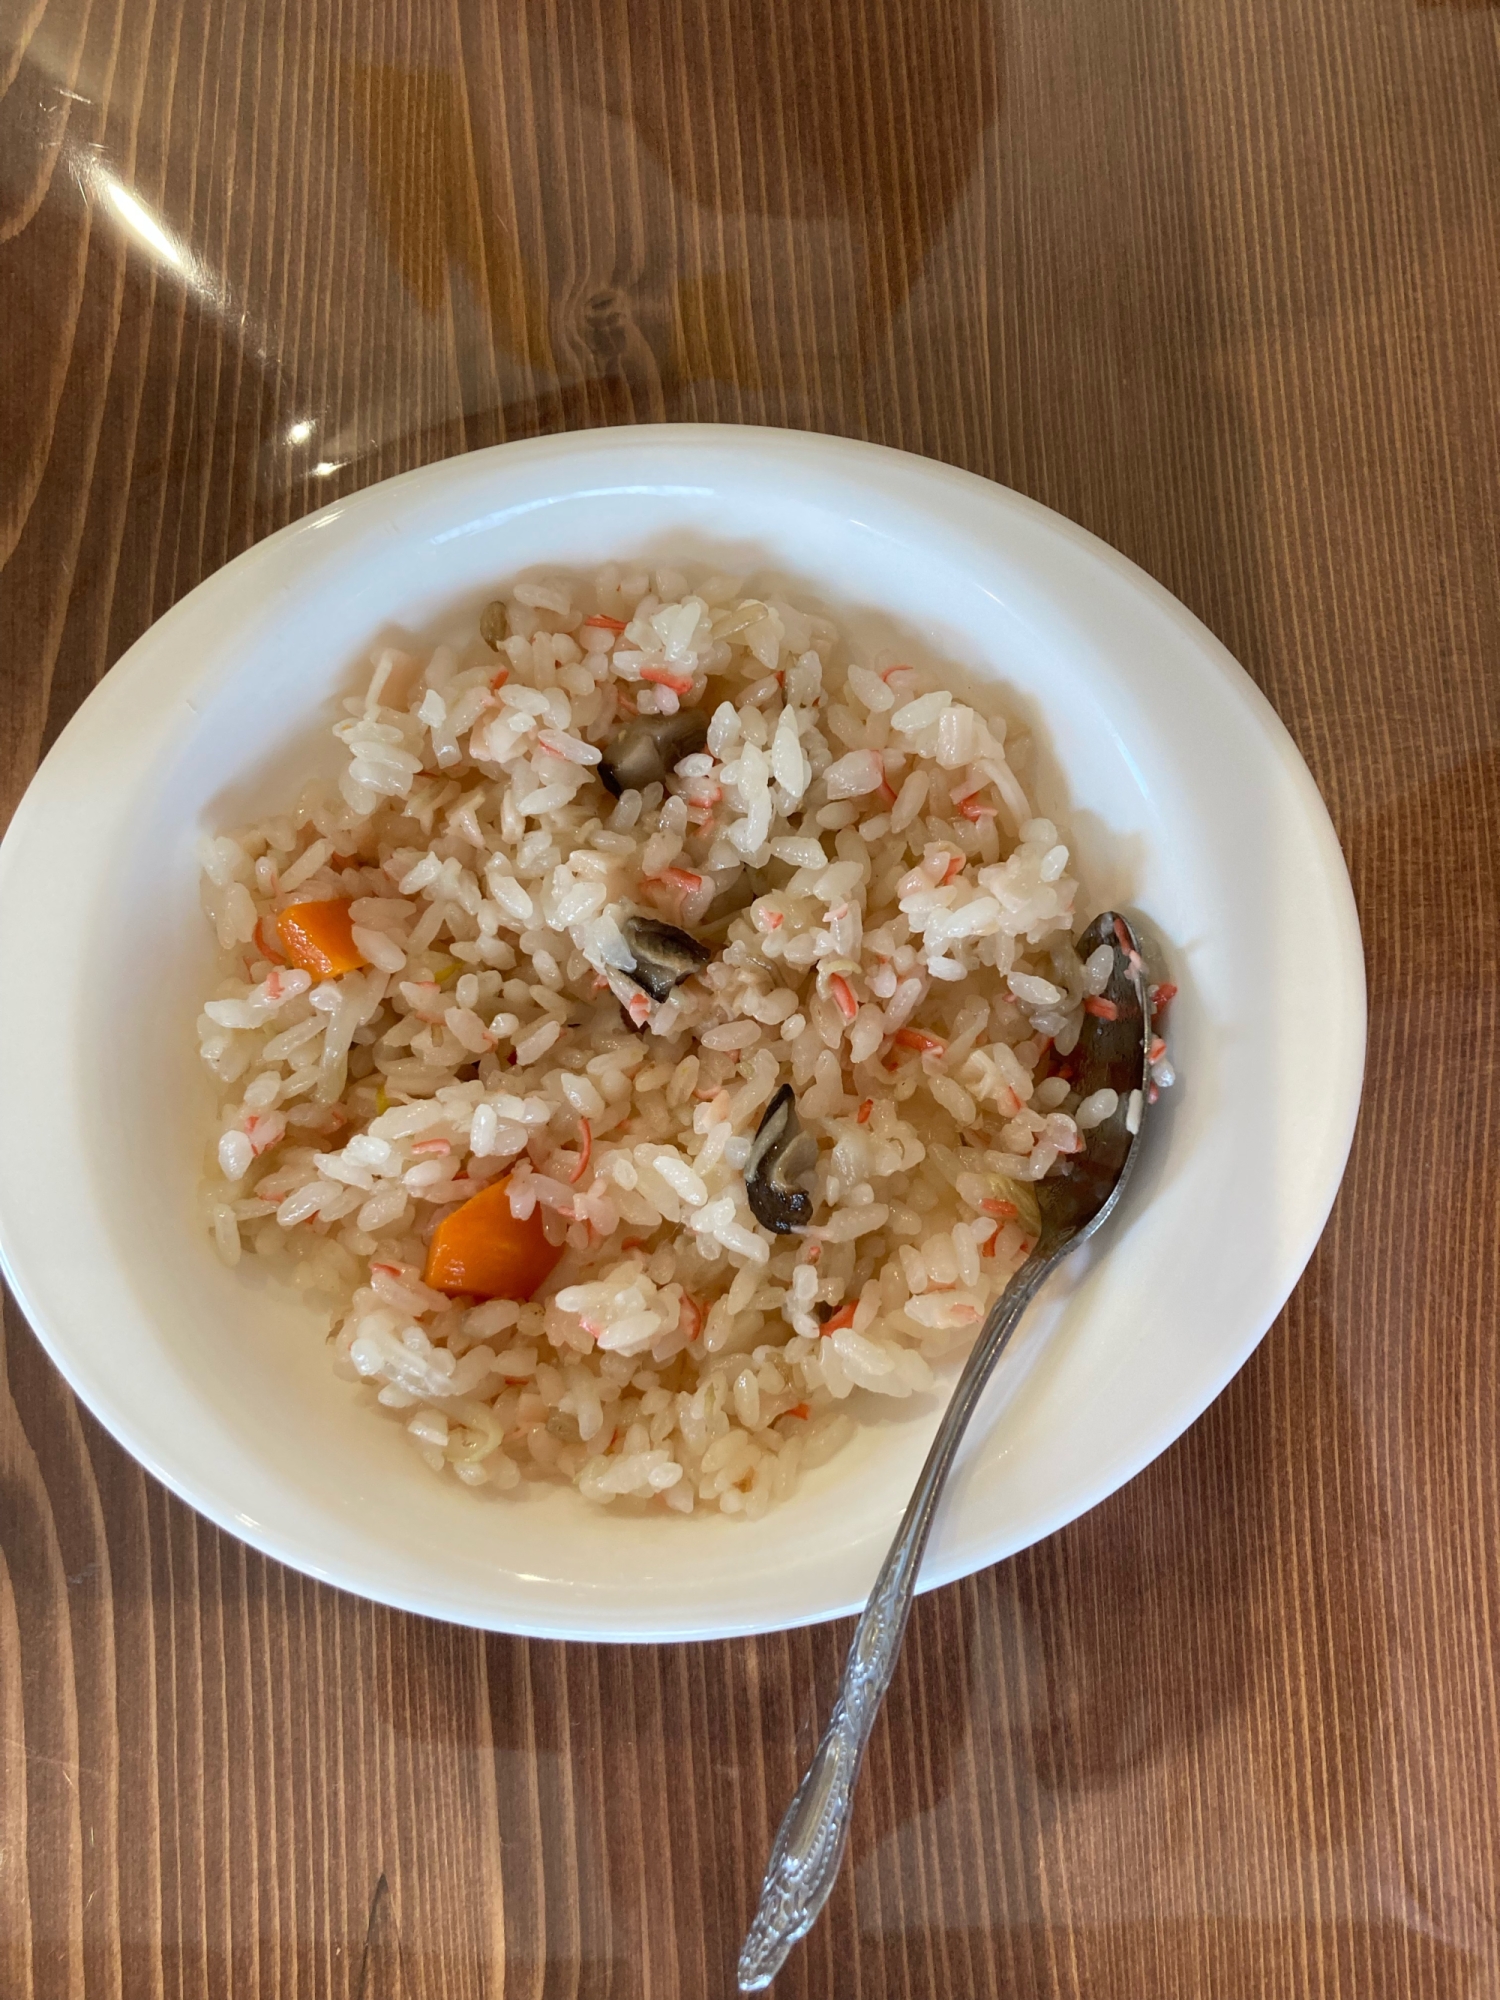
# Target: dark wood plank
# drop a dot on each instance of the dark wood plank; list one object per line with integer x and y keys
{"x": 1218, "y": 281}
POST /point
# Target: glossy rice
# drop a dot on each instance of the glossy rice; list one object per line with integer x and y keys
{"x": 890, "y": 928}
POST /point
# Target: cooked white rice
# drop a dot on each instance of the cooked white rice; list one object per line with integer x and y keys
{"x": 902, "y": 959}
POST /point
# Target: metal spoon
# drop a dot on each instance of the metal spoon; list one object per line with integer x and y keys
{"x": 1111, "y": 1054}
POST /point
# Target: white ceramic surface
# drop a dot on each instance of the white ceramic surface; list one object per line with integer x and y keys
{"x": 1190, "y": 803}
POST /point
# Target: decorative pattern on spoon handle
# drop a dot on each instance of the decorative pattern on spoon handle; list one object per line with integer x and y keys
{"x": 810, "y": 1843}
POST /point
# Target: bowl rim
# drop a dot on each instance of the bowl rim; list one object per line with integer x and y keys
{"x": 343, "y": 523}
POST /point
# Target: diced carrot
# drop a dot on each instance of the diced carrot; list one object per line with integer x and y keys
{"x": 843, "y": 1317}
{"x": 918, "y": 1038}
{"x": 484, "y": 1251}
{"x": 320, "y": 938}
{"x": 498, "y": 679}
{"x": 1100, "y": 1008}
{"x": 976, "y": 810}
{"x": 602, "y": 622}
{"x": 955, "y": 868}
{"x": 585, "y": 1147}
{"x": 863, "y": 1115}
{"x": 843, "y": 996}
{"x": 1005, "y": 1210}
{"x": 802, "y": 1410}
{"x": 1161, "y": 999}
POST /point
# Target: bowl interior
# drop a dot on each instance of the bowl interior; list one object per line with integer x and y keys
{"x": 1186, "y": 803}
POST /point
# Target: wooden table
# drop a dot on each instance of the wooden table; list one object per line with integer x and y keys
{"x": 1219, "y": 279}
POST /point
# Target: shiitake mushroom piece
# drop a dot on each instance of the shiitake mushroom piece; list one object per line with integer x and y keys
{"x": 664, "y": 956}
{"x": 644, "y": 751}
{"x": 782, "y": 1159}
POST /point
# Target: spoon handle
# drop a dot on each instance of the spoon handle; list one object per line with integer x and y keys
{"x": 810, "y": 1842}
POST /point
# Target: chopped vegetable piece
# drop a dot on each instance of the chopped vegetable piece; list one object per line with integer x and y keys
{"x": 664, "y": 956}
{"x": 643, "y": 752}
{"x": 782, "y": 1158}
{"x": 483, "y": 1251}
{"x": 320, "y": 938}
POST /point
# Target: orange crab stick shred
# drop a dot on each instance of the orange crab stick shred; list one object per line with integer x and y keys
{"x": 483, "y": 1251}
{"x": 320, "y": 938}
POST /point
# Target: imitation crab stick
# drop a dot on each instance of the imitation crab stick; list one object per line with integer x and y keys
{"x": 484, "y": 1251}
{"x": 320, "y": 938}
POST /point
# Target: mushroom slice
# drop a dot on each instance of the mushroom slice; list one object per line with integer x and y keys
{"x": 643, "y": 752}
{"x": 664, "y": 956}
{"x": 781, "y": 1162}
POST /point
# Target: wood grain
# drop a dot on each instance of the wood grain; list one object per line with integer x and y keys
{"x": 1222, "y": 282}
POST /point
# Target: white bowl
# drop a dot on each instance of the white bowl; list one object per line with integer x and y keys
{"x": 1189, "y": 803}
